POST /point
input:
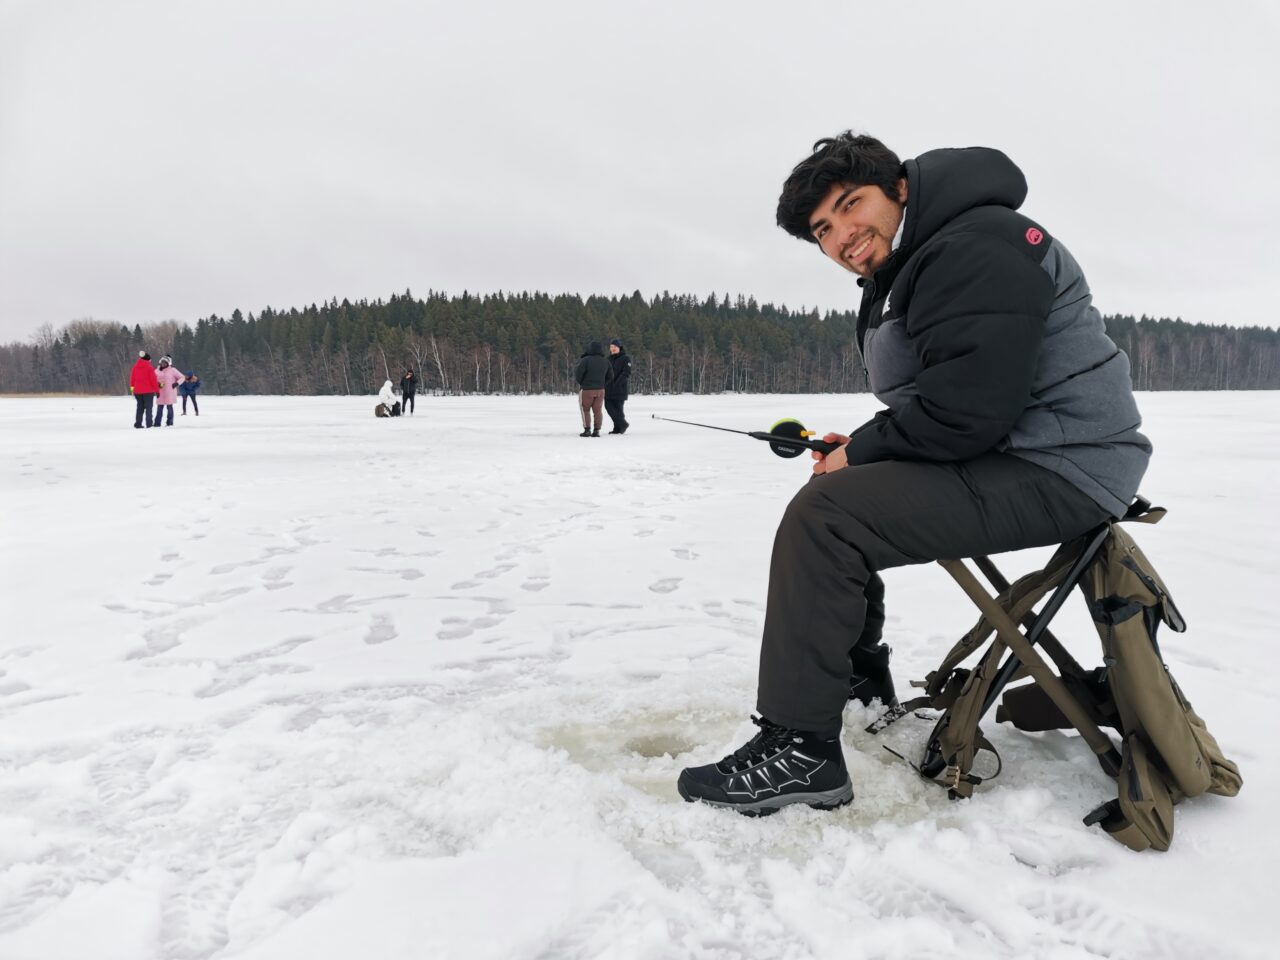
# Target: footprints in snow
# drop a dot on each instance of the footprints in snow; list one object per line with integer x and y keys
{"x": 343, "y": 603}
{"x": 456, "y": 628}
{"x": 274, "y": 579}
{"x": 381, "y": 630}
{"x": 490, "y": 574}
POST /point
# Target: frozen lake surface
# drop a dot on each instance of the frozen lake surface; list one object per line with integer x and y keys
{"x": 288, "y": 681}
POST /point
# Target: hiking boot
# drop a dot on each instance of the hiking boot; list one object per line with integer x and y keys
{"x": 585, "y": 433}
{"x": 623, "y": 428}
{"x": 776, "y": 767}
{"x": 871, "y": 679}
{"x": 595, "y": 432}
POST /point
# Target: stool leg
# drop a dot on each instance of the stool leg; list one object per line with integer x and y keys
{"x": 1025, "y": 653}
{"x": 1041, "y": 625}
{"x": 1051, "y": 644}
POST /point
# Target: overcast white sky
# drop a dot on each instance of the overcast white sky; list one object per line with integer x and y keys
{"x": 175, "y": 158}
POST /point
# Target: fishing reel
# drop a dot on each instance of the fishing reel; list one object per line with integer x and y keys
{"x": 788, "y": 438}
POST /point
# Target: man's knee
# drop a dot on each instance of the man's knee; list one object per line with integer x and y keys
{"x": 804, "y": 506}
{"x": 814, "y": 515}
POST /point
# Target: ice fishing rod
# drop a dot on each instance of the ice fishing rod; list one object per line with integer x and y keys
{"x": 787, "y": 438}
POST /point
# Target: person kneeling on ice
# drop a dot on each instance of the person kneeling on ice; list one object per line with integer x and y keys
{"x": 1010, "y": 423}
{"x": 388, "y": 405}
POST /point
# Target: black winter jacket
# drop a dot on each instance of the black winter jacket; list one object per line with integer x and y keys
{"x": 979, "y": 334}
{"x": 620, "y": 368}
{"x": 408, "y": 386}
{"x": 593, "y": 371}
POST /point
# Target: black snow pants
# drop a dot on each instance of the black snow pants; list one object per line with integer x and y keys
{"x": 613, "y": 407}
{"x": 825, "y": 595}
{"x": 145, "y": 400}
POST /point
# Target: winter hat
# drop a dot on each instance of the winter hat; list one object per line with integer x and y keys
{"x": 143, "y": 355}
{"x": 165, "y": 361}
{"x": 615, "y": 342}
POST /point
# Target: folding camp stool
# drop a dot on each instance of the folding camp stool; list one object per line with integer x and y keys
{"x": 1023, "y": 657}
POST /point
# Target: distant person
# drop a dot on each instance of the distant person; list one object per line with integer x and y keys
{"x": 592, "y": 373}
{"x": 169, "y": 378}
{"x": 387, "y": 406}
{"x": 188, "y": 391}
{"x": 144, "y": 386}
{"x": 615, "y": 393}
{"x": 408, "y": 390}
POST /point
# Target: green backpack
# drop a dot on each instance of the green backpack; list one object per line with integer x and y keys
{"x": 1166, "y": 753}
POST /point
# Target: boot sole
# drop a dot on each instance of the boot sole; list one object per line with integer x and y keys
{"x": 819, "y": 800}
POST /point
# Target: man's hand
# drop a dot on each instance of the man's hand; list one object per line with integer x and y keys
{"x": 836, "y": 459}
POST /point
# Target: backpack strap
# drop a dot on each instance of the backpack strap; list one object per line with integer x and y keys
{"x": 1141, "y": 511}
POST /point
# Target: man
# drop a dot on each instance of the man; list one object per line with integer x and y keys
{"x": 1010, "y": 422}
{"x": 144, "y": 386}
{"x": 615, "y": 391}
{"x": 593, "y": 375}
{"x": 408, "y": 390}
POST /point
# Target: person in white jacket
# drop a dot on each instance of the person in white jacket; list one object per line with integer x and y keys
{"x": 388, "y": 405}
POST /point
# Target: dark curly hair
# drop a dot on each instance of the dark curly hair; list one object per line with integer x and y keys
{"x": 848, "y": 158}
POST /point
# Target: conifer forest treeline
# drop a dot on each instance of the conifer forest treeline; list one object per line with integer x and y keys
{"x": 529, "y": 343}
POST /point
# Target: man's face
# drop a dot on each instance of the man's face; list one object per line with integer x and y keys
{"x": 614, "y": 348}
{"x": 855, "y": 226}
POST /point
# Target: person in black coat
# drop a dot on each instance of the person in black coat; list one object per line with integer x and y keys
{"x": 615, "y": 393}
{"x": 1009, "y": 423}
{"x": 408, "y": 390}
{"x": 593, "y": 374}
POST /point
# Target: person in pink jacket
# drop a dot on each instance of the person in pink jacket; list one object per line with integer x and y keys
{"x": 169, "y": 377}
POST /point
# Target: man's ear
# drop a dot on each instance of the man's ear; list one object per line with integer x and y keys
{"x": 902, "y": 190}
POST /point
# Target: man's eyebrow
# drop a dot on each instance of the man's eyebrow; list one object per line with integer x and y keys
{"x": 839, "y": 200}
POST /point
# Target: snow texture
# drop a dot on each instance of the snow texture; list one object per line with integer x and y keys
{"x": 288, "y": 681}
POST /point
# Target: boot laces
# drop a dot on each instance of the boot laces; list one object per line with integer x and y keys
{"x": 771, "y": 740}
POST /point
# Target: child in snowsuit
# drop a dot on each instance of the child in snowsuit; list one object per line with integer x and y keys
{"x": 169, "y": 377}
{"x": 188, "y": 392}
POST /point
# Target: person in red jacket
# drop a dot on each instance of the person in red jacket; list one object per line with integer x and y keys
{"x": 144, "y": 386}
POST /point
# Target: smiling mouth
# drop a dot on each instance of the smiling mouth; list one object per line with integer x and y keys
{"x": 861, "y": 250}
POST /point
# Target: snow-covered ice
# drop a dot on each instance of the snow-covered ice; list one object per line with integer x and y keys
{"x": 289, "y": 681}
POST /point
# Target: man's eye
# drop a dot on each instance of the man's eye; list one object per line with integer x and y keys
{"x": 851, "y": 201}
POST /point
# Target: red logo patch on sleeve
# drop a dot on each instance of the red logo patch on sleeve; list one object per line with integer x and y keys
{"x": 1034, "y": 236}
